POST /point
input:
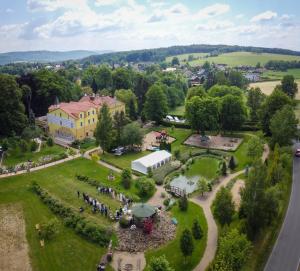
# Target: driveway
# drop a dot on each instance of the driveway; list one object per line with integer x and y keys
{"x": 286, "y": 252}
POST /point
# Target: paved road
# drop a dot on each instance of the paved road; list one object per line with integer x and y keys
{"x": 286, "y": 252}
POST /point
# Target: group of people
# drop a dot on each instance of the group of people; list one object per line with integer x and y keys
{"x": 95, "y": 204}
{"x": 102, "y": 208}
{"x": 115, "y": 195}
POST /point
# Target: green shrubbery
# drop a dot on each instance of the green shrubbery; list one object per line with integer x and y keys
{"x": 95, "y": 233}
{"x": 145, "y": 186}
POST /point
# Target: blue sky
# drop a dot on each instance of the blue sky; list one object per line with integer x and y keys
{"x": 136, "y": 24}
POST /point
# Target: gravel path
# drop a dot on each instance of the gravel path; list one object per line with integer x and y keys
{"x": 212, "y": 232}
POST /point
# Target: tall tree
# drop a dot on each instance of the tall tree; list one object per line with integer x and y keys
{"x": 202, "y": 186}
{"x": 119, "y": 122}
{"x": 196, "y": 91}
{"x": 12, "y": 112}
{"x": 289, "y": 86}
{"x": 237, "y": 79}
{"x": 103, "y": 132}
{"x": 232, "y": 113}
{"x": 126, "y": 178}
{"x": 274, "y": 102}
{"x": 103, "y": 76}
{"x": 202, "y": 114}
{"x": 255, "y": 149}
{"x": 254, "y": 101}
{"x": 175, "y": 61}
{"x": 122, "y": 78}
{"x": 156, "y": 106}
{"x": 186, "y": 243}
{"x": 132, "y": 135}
{"x": 233, "y": 252}
{"x": 284, "y": 126}
{"x": 141, "y": 87}
{"x": 223, "y": 90}
{"x": 129, "y": 98}
{"x": 223, "y": 206}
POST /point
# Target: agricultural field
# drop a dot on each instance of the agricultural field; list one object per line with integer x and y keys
{"x": 278, "y": 75}
{"x": 237, "y": 58}
{"x": 268, "y": 86}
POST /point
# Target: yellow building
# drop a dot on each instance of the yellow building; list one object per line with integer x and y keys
{"x": 78, "y": 120}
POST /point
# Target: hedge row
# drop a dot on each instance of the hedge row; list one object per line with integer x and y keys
{"x": 94, "y": 233}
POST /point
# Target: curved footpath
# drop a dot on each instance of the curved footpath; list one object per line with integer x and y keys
{"x": 286, "y": 252}
{"x": 212, "y": 231}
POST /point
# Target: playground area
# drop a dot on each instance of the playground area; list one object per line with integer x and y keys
{"x": 153, "y": 139}
{"x": 214, "y": 142}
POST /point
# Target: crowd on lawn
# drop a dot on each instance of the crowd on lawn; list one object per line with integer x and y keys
{"x": 103, "y": 209}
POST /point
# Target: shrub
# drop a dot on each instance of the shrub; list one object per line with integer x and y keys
{"x": 166, "y": 202}
{"x": 197, "y": 230}
{"x": 183, "y": 203}
{"x": 33, "y": 146}
{"x": 232, "y": 163}
{"x": 49, "y": 229}
{"x": 124, "y": 222}
{"x": 50, "y": 142}
{"x": 62, "y": 155}
{"x": 126, "y": 178}
{"x": 145, "y": 186}
{"x": 149, "y": 172}
{"x": 159, "y": 264}
{"x": 23, "y": 145}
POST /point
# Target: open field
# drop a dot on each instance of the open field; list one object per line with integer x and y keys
{"x": 278, "y": 75}
{"x": 172, "y": 249}
{"x": 204, "y": 166}
{"x": 14, "y": 248}
{"x": 268, "y": 86}
{"x": 184, "y": 57}
{"x": 237, "y": 58}
{"x": 17, "y": 157}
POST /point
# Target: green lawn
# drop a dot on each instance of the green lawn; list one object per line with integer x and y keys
{"x": 17, "y": 157}
{"x": 179, "y": 110}
{"x": 278, "y": 75}
{"x": 172, "y": 249}
{"x": 204, "y": 166}
{"x": 67, "y": 251}
{"x": 240, "y": 154}
{"x": 239, "y": 58}
{"x": 123, "y": 161}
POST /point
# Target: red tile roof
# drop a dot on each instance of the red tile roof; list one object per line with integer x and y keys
{"x": 84, "y": 104}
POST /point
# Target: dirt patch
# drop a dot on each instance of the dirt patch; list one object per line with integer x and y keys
{"x": 151, "y": 140}
{"x": 13, "y": 245}
{"x": 236, "y": 195}
{"x": 215, "y": 142}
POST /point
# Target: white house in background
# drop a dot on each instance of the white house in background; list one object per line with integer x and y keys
{"x": 153, "y": 160}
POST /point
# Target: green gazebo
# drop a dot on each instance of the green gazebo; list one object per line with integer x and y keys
{"x": 142, "y": 211}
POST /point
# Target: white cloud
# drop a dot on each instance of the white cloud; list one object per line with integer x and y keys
{"x": 213, "y": 10}
{"x": 239, "y": 16}
{"x": 179, "y": 9}
{"x": 100, "y": 3}
{"x": 265, "y": 16}
{"x": 9, "y": 10}
{"x": 215, "y": 25}
{"x": 52, "y": 5}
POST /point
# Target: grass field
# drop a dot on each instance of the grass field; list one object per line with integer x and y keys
{"x": 205, "y": 166}
{"x": 172, "y": 249}
{"x": 278, "y": 75}
{"x": 268, "y": 86}
{"x": 67, "y": 251}
{"x": 16, "y": 157}
{"x": 237, "y": 58}
{"x": 179, "y": 110}
{"x": 122, "y": 161}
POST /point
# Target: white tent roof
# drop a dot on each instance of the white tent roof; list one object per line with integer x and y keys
{"x": 152, "y": 158}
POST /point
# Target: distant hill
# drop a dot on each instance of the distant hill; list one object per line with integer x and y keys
{"x": 45, "y": 56}
{"x": 160, "y": 54}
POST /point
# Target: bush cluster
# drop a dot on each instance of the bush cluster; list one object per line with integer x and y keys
{"x": 83, "y": 227}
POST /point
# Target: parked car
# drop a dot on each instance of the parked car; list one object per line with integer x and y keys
{"x": 297, "y": 153}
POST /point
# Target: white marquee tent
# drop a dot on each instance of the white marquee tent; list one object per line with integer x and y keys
{"x": 152, "y": 160}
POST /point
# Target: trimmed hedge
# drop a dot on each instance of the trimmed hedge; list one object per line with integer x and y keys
{"x": 94, "y": 233}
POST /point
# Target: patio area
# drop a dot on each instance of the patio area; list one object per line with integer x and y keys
{"x": 214, "y": 142}
{"x": 152, "y": 139}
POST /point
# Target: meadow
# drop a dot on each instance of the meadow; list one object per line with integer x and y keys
{"x": 235, "y": 58}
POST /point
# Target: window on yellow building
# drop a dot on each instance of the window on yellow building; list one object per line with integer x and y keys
{"x": 60, "y": 114}
{"x": 88, "y": 113}
{"x": 89, "y": 121}
{"x": 81, "y": 124}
